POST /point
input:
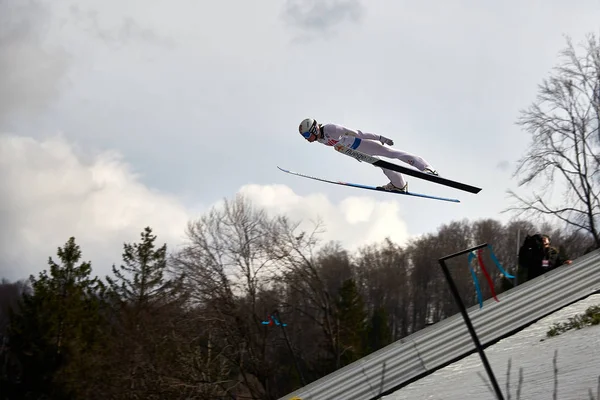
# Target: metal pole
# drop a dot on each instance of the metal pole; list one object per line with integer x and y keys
{"x": 517, "y": 267}
{"x": 463, "y": 311}
{"x": 479, "y": 246}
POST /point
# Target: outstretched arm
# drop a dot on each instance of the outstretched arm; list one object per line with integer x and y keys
{"x": 366, "y": 135}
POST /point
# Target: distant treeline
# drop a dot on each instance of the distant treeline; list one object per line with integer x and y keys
{"x": 194, "y": 323}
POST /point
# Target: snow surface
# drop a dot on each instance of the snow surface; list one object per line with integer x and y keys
{"x": 578, "y": 364}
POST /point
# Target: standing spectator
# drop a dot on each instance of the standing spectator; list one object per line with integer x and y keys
{"x": 552, "y": 257}
{"x": 536, "y": 257}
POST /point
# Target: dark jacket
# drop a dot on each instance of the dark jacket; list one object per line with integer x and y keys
{"x": 536, "y": 260}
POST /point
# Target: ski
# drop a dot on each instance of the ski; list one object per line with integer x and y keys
{"x": 356, "y": 185}
{"x": 408, "y": 171}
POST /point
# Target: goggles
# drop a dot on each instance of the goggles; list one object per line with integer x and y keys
{"x": 311, "y": 131}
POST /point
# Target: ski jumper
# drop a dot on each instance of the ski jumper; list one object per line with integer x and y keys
{"x": 369, "y": 143}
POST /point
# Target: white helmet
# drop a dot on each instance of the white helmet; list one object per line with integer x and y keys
{"x": 308, "y": 127}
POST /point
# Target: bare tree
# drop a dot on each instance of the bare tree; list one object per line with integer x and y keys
{"x": 10, "y": 294}
{"x": 311, "y": 287}
{"x": 382, "y": 273}
{"x": 229, "y": 267}
{"x": 565, "y": 148}
{"x": 320, "y": 282}
{"x": 452, "y": 237}
{"x": 424, "y": 277}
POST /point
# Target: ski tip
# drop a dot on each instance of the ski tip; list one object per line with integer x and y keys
{"x": 287, "y": 171}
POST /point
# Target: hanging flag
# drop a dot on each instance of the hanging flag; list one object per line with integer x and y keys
{"x": 272, "y": 320}
{"x": 485, "y": 272}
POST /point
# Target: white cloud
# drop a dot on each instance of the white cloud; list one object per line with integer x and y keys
{"x": 53, "y": 191}
{"x": 355, "y": 221}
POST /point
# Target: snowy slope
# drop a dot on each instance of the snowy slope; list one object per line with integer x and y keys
{"x": 578, "y": 362}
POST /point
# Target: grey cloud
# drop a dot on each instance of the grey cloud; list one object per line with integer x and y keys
{"x": 503, "y": 165}
{"x": 30, "y": 70}
{"x": 323, "y": 15}
{"x": 33, "y": 63}
{"x": 128, "y": 31}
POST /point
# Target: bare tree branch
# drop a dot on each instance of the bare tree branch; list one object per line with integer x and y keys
{"x": 565, "y": 150}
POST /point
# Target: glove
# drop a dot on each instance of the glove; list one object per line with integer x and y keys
{"x": 385, "y": 140}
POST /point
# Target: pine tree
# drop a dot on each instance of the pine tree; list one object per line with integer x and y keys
{"x": 145, "y": 313}
{"x": 56, "y": 328}
{"x": 140, "y": 282}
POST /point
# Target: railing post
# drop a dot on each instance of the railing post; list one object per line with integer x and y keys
{"x": 465, "y": 315}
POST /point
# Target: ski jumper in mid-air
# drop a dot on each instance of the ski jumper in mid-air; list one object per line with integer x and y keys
{"x": 368, "y": 143}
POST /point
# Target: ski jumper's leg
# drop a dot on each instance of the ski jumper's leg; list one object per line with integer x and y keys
{"x": 374, "y": 148}
{"x": 395, "y": 177}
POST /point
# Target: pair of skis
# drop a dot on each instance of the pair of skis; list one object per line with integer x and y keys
{"x": 376, "y": 162}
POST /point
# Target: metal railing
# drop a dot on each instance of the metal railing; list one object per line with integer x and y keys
{"x": 422, "y": 353}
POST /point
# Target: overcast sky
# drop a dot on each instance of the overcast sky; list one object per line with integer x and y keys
{"x": 119, "y": 115}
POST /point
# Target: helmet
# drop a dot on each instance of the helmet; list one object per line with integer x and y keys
{"x": 308, "y": 127}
